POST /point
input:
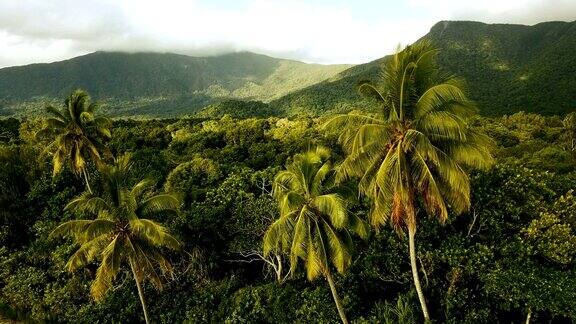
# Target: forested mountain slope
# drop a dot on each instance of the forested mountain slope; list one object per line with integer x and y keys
{"x": 508, "y": 68}
{"x": 156, "y": 84}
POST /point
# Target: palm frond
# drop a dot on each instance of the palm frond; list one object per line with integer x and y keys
{"x": 54, "y": 124}
{"x": 111, "y": 258}
{"x": 300, "y": 238}
{"x": 154, "y": 233}
{"x": 57, "y": 114}
{"x": 58, "y": 161}
{"x": 159, "y": 203}
{"x": 321, "y": 176}
{"x": 284, "y": 182}
{"x": 333, "y": 206}
{"x": 290, "y": 202}
{"x": 349, "y": 121}
{"x": 87, "y": 202}
{"x": 339, "y": 248}
{"x": 73, "y": 227}
{"x": 87, "y": 252}
{"x": 141, "y": 187}
{"x": 359, "y": 226}
{"x": 97, "y": 228}
{"x": 367, "y": 89}
{"x": 278, "y": 236}
{"x": 86, "y": 117}
{"x": 314, "y": 264}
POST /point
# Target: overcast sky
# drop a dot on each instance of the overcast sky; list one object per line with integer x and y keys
{"x": 320, "y": 31}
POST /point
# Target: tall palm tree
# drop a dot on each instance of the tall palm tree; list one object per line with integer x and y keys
{"x": 76, "y": 134}
{"x": 121, "y": 233}
{"x": 569, "y": 124}
{"x": 314, "y": 224}
{"x": 414, "y": 150}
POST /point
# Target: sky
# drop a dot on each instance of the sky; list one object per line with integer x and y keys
{"x": 314, "y": 31}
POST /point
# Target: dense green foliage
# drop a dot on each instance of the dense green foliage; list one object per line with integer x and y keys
{"x": 513, "y": 253}
{"x": 211, "y": 214}
{"x": 238, "y": 109}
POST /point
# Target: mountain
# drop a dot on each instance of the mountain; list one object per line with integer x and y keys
{"x": 156, "y": 84}
{"x": 508, "y": 68}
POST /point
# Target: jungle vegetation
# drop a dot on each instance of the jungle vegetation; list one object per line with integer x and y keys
{"x": 415, "y": 210}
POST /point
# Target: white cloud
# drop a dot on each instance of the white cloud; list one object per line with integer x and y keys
{"x": 17, "y": 50}
{"x": 42, "y": 31}
{"x": 500, "y": 11}
{"x": 293, "y": 29}
{"x": 451, "y": 6}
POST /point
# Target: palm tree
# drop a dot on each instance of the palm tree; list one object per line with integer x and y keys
{"x": 569, "y": 124}
{"x": 76, "y": 134}
{"x": 121, "y": 232}
{"x": 314, "y": 224}
{"x": 415, "y": 148}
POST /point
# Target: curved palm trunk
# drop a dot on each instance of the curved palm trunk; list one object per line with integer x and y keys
{"x": 86, "y": 180}
{"x": 415, "y": 276}
{"x": 336, "y": 298}
{"x": 279, "y": 269}
{"x": 528, "y": 316}
{"x": 140, "y": 292}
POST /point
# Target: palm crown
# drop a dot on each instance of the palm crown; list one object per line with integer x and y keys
{"x": 121, "y": 231}
{"x": 77, "y": 133}
{"x": 314, "y": 224}
{"x": 418, "y": 143}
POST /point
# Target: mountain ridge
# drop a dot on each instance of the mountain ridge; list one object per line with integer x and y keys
{"x": 508, "y": 67}
{"x": 121, "y": 78}
{"x": 492, "y": 58}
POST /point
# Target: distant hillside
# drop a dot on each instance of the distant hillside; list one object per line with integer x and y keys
{"x": 237, "y": 109}
{"x": 508, "y": 68}
{"x": 157, "y": 84}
